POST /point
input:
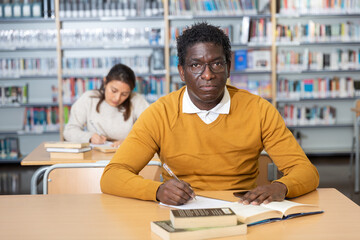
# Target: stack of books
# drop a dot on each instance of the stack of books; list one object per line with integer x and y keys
{"x": 68, "y": 150}
{"x": 199, "y": 224}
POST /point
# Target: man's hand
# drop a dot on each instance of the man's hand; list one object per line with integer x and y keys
{"x": 97, "y": 139}
{"x": 265, "y": 194}
{"x": 173, "y": 192}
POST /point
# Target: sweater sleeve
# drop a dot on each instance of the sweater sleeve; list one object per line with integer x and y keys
{"x": 74, "y": 129}
{"x": 120, "y": 176}
{"x": 300, "y": 175}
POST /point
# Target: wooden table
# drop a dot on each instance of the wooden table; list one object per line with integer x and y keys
{"x": 101, "y": 216}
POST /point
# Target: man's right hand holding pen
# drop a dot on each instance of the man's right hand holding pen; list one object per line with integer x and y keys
{"x": 174, "y": 191}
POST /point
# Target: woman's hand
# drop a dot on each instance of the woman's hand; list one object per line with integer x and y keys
{"x": 116, "y": 143}
{"x": 97, "y": 139}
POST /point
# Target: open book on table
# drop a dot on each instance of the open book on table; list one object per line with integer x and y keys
{"x": 274, "y": 211}
{"x": 255, "y": 214}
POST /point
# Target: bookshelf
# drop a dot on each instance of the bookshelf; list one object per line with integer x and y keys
{"x": 115, "y": 32}
{"x": 317, "y": 71}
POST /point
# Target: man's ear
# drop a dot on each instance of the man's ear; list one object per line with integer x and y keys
{"x": 181, "y": 72}
{"x": 228, "y": 68}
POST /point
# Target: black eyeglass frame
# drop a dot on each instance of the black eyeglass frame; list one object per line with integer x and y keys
{"x": 223, "y": 64}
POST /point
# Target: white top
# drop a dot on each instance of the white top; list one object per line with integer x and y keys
{"x": 108, "y": 122}
{"x": 208, "y": 116}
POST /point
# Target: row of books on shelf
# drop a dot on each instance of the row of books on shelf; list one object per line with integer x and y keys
{"x": 243, "y": 59}
{"x": 114, "y": 8}
{"x": 100, "y": 66}
{"x": 217, "y": 7}
{"x": 9, "y": 183}
{"x": 327, "y": 87}
{"x": 258, "y": 87}
{"x": 319, "y": 6}
{"x": 11, "y": 95}
{"x": 73, "y": 87}
{"x": 151, "y": 87}
{"x": 249, "y": 59}
{"x": 176, "y": 85}
{"x": 22, "y": 9}
{"x": 311, "y": 59}
{"x": 27, "y": 38}
{"x": 9, "y": 148}
{"x": 112, "y": 37}
{"x": 43, "y": 119}
{"x": 346, "y": 31}
{"x": 295, "y": 115}
{"x": 16, "y": 67}
{"x": 241, "y": 31}
{"x": 85, "y": 37}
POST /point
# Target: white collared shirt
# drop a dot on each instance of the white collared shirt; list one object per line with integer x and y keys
{"x": 208, "y": 116}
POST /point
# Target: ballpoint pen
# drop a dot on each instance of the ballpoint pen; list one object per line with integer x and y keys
{"x": 166, "y": 167}
{"x": 93, "y": 125}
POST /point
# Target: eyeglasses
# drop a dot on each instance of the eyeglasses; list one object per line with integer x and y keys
{"x": 215, "y": 67}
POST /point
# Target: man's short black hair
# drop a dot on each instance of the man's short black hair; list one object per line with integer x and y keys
{"x": 202, "y": 33}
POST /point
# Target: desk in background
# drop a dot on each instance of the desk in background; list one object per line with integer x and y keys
{"x": 101, "y": 216}
{"x": 40, "y": 157}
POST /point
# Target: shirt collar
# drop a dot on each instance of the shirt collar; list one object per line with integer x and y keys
{"x": 223, "y": 107}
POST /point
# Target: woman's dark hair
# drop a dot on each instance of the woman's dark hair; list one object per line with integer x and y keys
{"x": 122, "y": 73}
{"x": 202, "y": 33}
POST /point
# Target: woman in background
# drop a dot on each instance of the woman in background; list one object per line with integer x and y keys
{"x": 109, "y": 113}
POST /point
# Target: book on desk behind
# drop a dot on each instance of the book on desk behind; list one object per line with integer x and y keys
{"x": 69, "y": 150}
{"x": 204, "y": 217}
{"x": 274, "y": 211}
{"x": 166, "y": 231}
{"x": 66, "y": 145}
{"x": 105, "y": 148}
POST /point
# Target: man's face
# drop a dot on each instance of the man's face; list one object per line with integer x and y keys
{"x": 206, "y": 88}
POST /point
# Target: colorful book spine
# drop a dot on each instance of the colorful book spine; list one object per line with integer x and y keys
{"x": 151, "y": 87}
{"x": 43, "y": 119}
{"x": 298, "y": 115}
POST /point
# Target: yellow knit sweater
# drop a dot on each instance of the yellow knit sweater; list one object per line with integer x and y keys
{"x": 218, "y": 156}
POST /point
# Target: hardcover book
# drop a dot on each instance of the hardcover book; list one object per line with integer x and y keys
{"x": 68, "y": 150}
{"x": 66, "y": 145}
{"x": 166, "y": 231}
{"x": 206, "y": 217}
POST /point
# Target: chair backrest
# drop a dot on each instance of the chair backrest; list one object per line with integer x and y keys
{"x": 79, "y": 178}
{"x": 267, "y": 170}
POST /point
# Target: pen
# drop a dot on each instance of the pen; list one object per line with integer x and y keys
{"x": 93, "y": 125}
{"x": 166, "y": 167}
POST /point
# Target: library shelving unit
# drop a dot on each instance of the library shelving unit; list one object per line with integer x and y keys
{"x": 27, "y": 74}
{"x": 318, "y": 46}
{"x": 85, "y": 41}
{"x": 249, "y": 29}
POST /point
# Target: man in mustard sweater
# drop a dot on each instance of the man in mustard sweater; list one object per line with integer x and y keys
{"x": 209, "y": 134}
